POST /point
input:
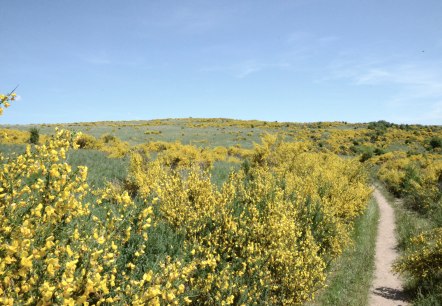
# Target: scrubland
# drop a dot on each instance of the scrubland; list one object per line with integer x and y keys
{"x": 213, "y": 211}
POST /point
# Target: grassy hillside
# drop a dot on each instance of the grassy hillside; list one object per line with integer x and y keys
{"x": 209, "y": 209}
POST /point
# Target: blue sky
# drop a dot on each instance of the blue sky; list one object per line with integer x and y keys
{"x": 300, "y": 60}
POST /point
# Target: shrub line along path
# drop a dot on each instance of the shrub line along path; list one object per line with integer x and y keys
{"x": 387, "y": 287}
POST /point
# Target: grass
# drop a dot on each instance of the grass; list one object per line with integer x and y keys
{"x": 408, "y": 224}
{"x": 169, "y": 130}
{"x": 351, "y": 275}
{"x": 100, "y": 167}
{"x": 221, "y": 170}
{"x": 8, "y": 149}
{"x": 199, "y": 132}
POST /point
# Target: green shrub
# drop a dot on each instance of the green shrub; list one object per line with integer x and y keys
{"x": 435, "y": 142}
{"x": 366, "y": 153}
{"x": 34, "y": 135}
{"x": 379, "y": 151}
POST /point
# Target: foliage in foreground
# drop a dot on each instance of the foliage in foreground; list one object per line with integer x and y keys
{"x": 266, "y": 236}
{"x": 270, "y": 231}
{"x": 55, "y": 247}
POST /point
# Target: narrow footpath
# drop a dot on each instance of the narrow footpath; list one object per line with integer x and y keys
{"x": 387, "y": 288}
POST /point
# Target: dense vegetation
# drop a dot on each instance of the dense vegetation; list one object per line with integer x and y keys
{"x": 203, "y": 211}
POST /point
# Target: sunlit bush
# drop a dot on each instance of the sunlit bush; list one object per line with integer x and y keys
{"x": 416, "y": 178}
{"x": 271, "y": 229}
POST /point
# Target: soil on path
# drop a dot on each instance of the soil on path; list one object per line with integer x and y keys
{"x": 387, "y": 287}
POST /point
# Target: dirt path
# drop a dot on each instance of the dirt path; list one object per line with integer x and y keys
{"x": 387, "y": 288}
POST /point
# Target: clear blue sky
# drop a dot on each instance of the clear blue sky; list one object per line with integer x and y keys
{"x": 300, "y": 60}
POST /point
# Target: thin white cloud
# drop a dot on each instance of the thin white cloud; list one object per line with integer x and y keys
{"x": 103, "y": 58}
{"x": 326, "y": 40}
{"x": 187, "y": 19}
{"x": 308, "y": 41}
{"x": 95, "y": 58}
{"x": 296, "y": 49}
{"x": 240, "y": 70}
{"x": 246, "y": 68}
{"x": 416, "y": 86}
{"x": 373, "y": 76}
{"x": 435, "y": 114}
{"x": 430, "y": 115}
{"x": 298, "y": 37}
{"x": 409, "y": 74}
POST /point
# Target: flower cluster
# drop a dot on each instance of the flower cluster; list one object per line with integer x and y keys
{"x": 5, "y": 100}
{"x": 424, "y": 261}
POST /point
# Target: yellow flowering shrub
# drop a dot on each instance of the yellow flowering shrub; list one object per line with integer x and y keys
{"x": 57, "y": 247}
{"x": 10, "y": 136}
{"x": 109, "y": 144}
{"x": 243, "y": 252}
{"x": 85, "y": 141}
{"x": 114, "y": 146}
{"x": 334, "y": 189}
{"x": 177, "y": 155}
{"x": 424, "y": 261}
{"x": 269, "y": 232}
{"x": 417, "y": 178}
{"x": 238, "y": 152}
